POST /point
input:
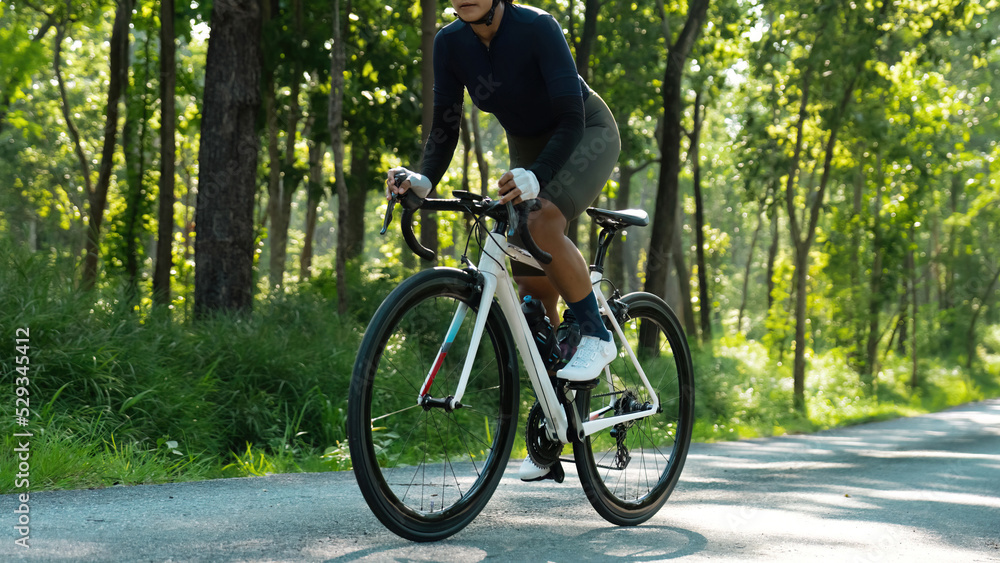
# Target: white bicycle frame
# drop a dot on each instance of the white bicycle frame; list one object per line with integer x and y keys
{"x": 497, "y": 283}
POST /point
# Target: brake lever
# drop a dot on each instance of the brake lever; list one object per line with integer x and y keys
{"x": 398, "y": 179}
{"x": 393, "y": 200}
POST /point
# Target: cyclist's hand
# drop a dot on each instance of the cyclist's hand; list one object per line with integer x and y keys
{"x": 518, "y": 185}
{"x": 420, "y": 184}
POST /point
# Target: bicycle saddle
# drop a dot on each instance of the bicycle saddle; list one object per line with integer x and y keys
{"x": 618, "y": 219}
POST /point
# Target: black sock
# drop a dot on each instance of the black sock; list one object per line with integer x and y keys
{"x": 589, "y": 316}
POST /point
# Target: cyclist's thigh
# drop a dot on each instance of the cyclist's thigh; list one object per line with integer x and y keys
{"x": 578, "y": 183}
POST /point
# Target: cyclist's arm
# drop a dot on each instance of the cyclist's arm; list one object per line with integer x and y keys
{"x": 448, "y": 95}
{"x": 441, "y": 142}
{"x": 565, "y": 138}
{"x": 563, "y": 85}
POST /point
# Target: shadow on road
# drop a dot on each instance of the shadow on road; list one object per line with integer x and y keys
{"x": 920, "y": 489}
{"x": 934, "y": 475}
{"x": 642, "y": 543}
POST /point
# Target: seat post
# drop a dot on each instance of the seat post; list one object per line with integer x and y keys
{"x": 603, "y": 242}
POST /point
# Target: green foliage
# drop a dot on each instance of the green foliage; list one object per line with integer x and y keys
{"x": 743, "y": 393}
{"x": 69, "y": 455}
{"x": 127, "y": 393}
{"x": 250, "y": 464}
{"x": 130, "y": 382}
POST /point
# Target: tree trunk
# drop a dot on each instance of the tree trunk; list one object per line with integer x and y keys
{"x": 799, "y": 367}
{"x": 357, "y": 194}
{"x": 746, "y": 272}
{"x": 802, "y": 239}
{"x": 466, "y": 221}
{"x": 133, "y": 142}
{"x": 466, "y": 138}
{"x": 336, "y": 121}
{"x": 903, "y": 324}
{"x": 911, "y": 277}
{"x": 315, "y": 195}
{"x": 772, "y": 255}
{"x": 801, "y": 253}
{"x": 683, "y": 300}
{"x": 281, "y": 210}
{"x": 428, "y": 27}
{"x": 585, "y": 42}
{"x": 857, "y": 231}
{"x": 984, "y": 302}
{"x": 168, "y": 154}
{"x": 948, "y": 292}
{"x": 874, "y": 292}
{"x": 616, "y": 256}
{"x": 117, "y": 79}
{"x": 704, "y": 302}
{"x": 278, "y": 230}
{"x": 187, "y": 225}
{"x": 228, "y": 161}
{"x": 621, "y": 264}
{"x": 477, "y": 141}
{"x": 74, "y": 134}
{"x": 665, "y": 211}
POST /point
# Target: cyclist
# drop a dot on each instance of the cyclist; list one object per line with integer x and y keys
{"x": 563, "y": 142}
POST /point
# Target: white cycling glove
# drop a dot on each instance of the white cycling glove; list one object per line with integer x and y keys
{"x": 419, "y": 184}
{"x": 526, "y": 181}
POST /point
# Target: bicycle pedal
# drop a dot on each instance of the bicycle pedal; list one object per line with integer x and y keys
{"x": 580, "y": 385}
{"x": 557, "y": 474}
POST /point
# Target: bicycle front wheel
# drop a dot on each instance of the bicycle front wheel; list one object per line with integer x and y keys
{"x": 427, "y": 472}
{"x": 630, "y": 469}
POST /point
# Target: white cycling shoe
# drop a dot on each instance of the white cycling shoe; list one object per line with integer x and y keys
{"x": 530, "y": 471}
{"x": 591, "y": 357}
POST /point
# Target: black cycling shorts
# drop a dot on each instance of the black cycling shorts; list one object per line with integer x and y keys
{"x": 577, "y": 184}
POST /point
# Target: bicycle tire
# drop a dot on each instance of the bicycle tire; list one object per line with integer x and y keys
{"x": 427, "y": 473}
{"x": 627, "y": 486}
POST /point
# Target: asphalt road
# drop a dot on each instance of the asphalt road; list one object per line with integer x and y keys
{"x": 917, "y": 489}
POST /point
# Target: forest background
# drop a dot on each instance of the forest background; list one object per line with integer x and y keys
{"x": 822, "y": 177}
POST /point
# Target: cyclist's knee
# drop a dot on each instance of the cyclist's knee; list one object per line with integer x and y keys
{"x": 547, "y": 219}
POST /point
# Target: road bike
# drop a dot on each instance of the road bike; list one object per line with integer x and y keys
{"x": 434, "y": 396}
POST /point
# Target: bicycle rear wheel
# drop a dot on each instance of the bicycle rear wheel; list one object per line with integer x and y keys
{"x": 628, "y": 471}
{"x": 426, "y": 473}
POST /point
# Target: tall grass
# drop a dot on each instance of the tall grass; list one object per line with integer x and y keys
{"x": 114, "y": 384}
{"x": 743, "y": 392}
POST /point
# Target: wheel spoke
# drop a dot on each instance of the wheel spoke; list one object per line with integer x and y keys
{"x": 656, "y": 444}
{"x": 428, "y": 472}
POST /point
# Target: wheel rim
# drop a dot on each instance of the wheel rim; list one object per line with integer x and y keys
{"x": 432, "y": 464}
{"x": 652, "y": 445}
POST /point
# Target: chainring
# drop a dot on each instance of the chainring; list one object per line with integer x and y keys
{"x": 542, "y": 450}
